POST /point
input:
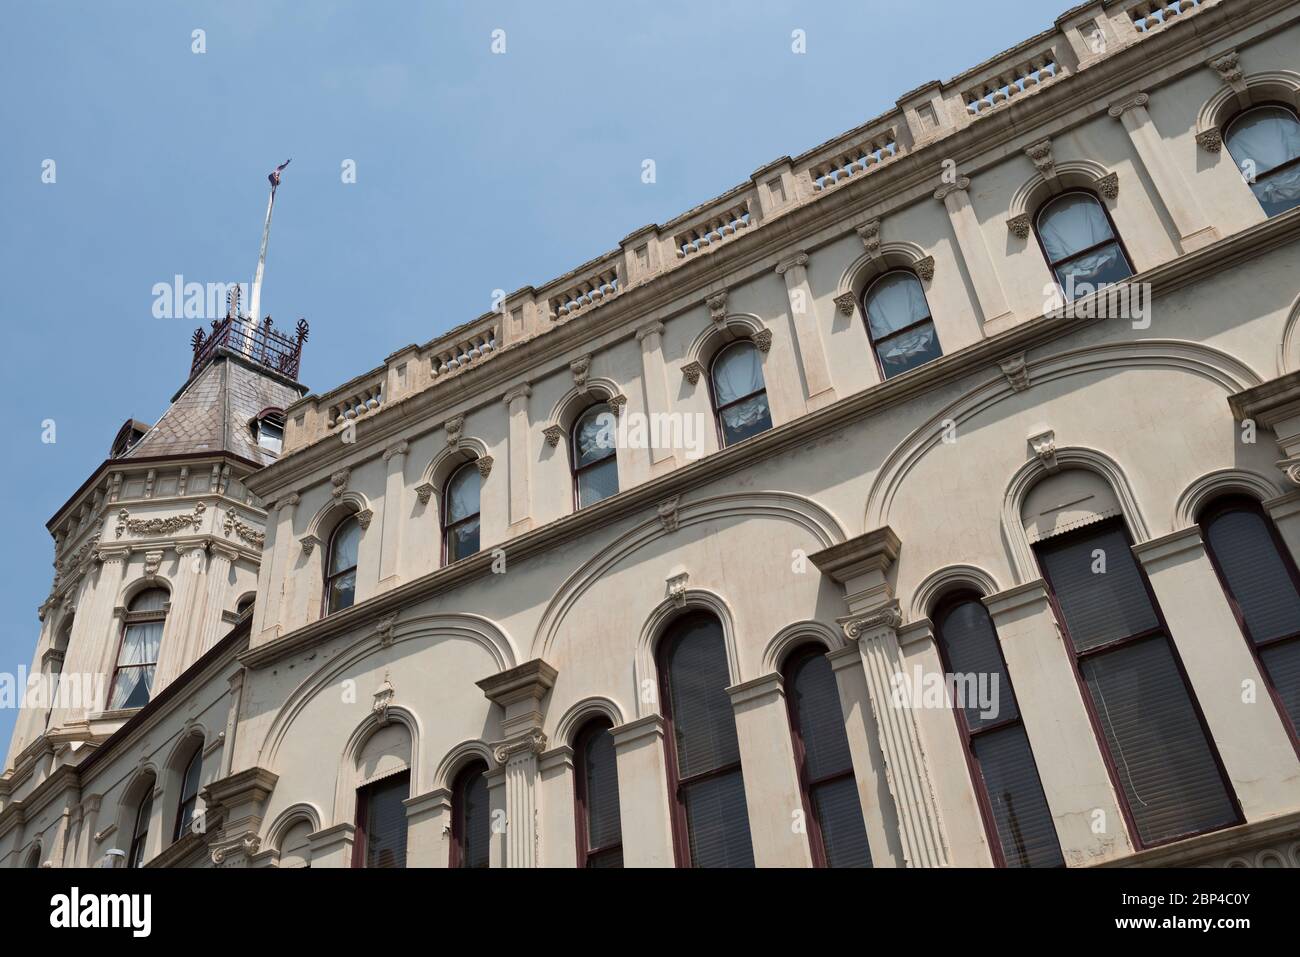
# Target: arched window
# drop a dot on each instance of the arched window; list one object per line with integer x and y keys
{"x": 56, "y": 667}
{"x": 710, "y": 816}
{"x": 739, "y": 393}
{"x": 471, "y": 818}
{"x": 1010, "y": 793}
{"x": 189, "y": 794}
{"x": 268, "y": 430}
{"x": 341, "y": 566}
{"x": 381, "y": 822}
{"x": 1263, "y": 588}
{"x": 33, "y": 858}
{"x": 599, "y": 828}
{"x": 1265, "y": 144}
{"x": 1161, "y": 758}
{"x": 1080, "y": 244}
{"x": 137, "y": 655}
{"x": 595, "y": 466}
{"x": 295, "y": 846}
{"x": 899, "y": 324}
{"x": 836, "y": 831}
{"x": 140, "y": 829}
{"x": 460, "y": 518}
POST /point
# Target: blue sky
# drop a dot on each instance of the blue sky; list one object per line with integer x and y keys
{"x": 475, "y": 172}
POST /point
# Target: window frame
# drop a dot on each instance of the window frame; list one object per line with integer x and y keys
{"x": 137, "y": 618}
{"x": 1114, "y": 233}
{"x": 329, "y": 560}
{"x": 1294, "y": 161}
{"x": 360, "y": 844}
{"x": 1238, "y": 502}
{"x": 1161, "y": 630}
{"x": 456, "y": 844}
{"x": 276, "y": 417}
{"x": 140, "y": 838}
{"x": 875, "y": 343}
{"x": 713, "y": 394}
{"x": 941, "y": 608}
{"x": 574, "y": 468}
{"x": 445, "y": 509}
{"x": 590, "y": 729}
{"x": 181, "y": 826}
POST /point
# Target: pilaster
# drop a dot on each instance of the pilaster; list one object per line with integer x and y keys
{"x": 519, "y": 457}
{"x": 643, "y": 793}
{"x": 807, "y": 329}
{"x": 974, "y": 250}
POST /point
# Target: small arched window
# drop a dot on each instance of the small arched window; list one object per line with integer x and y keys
{"x": 599, "y": 827}
{"x": 739, "y": 393}
{"x": 1263, "y": 588}
{"x": 189, "y": 794}
{"x": 595, "y": 465}
{"x": 1265, "y": 144}
{"x": 268, "y": 429}
{"x": 836, "y": 830}
{"x": 460, "y": 521}
{"x": 899, "y": 324}
{"x": 710, "y": 816}
{"x": 137, "y": 655}
{"x": 295, "y": 846}
{"x": 140, "y": 829}
{"x": 341, "y": 566}
{"x": 1080, "y": 244}
{"x": 1011, "y": 799}
{"x": 471, "y": 820}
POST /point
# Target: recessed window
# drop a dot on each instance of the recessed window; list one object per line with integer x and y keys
{"x": 1079, "y": 242}
{"x": 1265, "y": 145}
{"x": 899, "y": 324}
{"x": 381, "y": 822}
{"x": 341, "y": 566}
{"x": 189, "y": 794}
{"x": 140, "y": 829}
{"x": 1015, "y": 811}
{"x": 268, "y": 428}
{"x": 710, "y": 816}
{"x": 599, "y": 826}
{"x": 137, "y": 655}
{"x": 836, "y": 831}
{"x": 460, "y": 513}
{"x": 595, "y": 466}
{"x": 1261, "y": 584}
{"x": 471, "y": 828}
{"x": 739, "y": 393}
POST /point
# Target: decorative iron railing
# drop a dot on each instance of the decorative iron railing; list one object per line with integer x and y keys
{"x": 262, "y": 343}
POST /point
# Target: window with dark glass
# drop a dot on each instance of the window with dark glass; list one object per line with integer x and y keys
{"x": 599, "y": 827}
{"x": 140, "y": 829}
{"x": 710, "y": 816}
{"x": 1153, "y": 734}
{"x": 1265, "y": 144}
{"x": 899, "y": 324}
{"x": 1079, "y": 242}
{"x": 1261, "y": 584}
{"x": 381, "y": 822}
{"x": 739, "y": 393}
{"x": 189, "y": 794}
{"x": 269, "y": 430}
{"x": 832, "y": 808}
{"x": 137, "y": 655}
{"x": 595, "y": 466}
{"x": 341, "y": 566}
{"x": 1015, "y": 811}
{"x": 460, "y": 522}
{"x": 471, "y": 818}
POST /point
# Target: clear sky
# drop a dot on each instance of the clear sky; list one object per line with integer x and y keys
{"x": 475, "y": 171}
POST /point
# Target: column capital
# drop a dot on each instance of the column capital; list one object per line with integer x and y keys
{"x": 528, "y": 745}
{"x": 288, "y": 501}
{"x": 790, "y": 262}
{"x": 521, "y": 391}
{"x": 655, "y": 328}
{"x": 888, "y": 617}
{"x": 397, "y": 449}
{"x": 960, "y": 186}
{"x": 519, "y": 692}
{"x": 1132, "y": 101}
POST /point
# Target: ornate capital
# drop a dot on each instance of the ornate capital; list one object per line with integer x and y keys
{"x": 717, "y": 304}
{"x": 655, "y": 328}
{"x": 580, "y": 367}
{"x": 887, "y": 616}
{"x": 925, "y": 268}
{"x": 340, "y": 481}
{"x": 960, "y": 186}
{"x": 869, "y": 233}
{"x": 1019, "y": 226}
{"x": 1041, "y": 154}
{"x": 309, "y": 543}
{"x": 364, "y": 517}
{"x": 424, "y": 492}
{"x": 453, "y": 428}
{"x": 763, "y": 340}
{"x": 484, "y": 463}
{"x": 1108, "y": 185}
{"x": 1130, "y": 102}
{"x": 521, "y": 391}
{"x": 692, "y": 371}
{"x": 399, "y": 448}
{"x": 845, "y": 303}
{"x": 1210, "y": 140}
{"x": 528, "y": 744}
{"x": 617, "y": 403}
{"x": 553, "y": 434}
{"x": 785, "y": 265}
{"x": 677, "y": 588}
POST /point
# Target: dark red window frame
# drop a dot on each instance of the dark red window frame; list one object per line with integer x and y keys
{"x": 329, "y": 560}
{"x": 359, "y": 845}
{"x": 458, "y": 824}
{"x": 588, "y": 855}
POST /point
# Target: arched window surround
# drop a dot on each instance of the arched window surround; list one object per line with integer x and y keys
{"x": 713, "y": 389}
{"x": 1116, "y": 238}
{"x": 134, "y": 618}
{"x": 574, "y": 469}
{"x": 873, "y": 343}
{"x": 1290, "y": 164}
{"x": 446, "y": 527}
{"x": 334, "y": 577}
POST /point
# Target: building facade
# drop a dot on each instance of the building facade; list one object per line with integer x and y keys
{"x": 928, "y": 499}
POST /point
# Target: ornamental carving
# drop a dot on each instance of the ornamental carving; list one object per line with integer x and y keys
{"x": 1228, "y": 66}
{"x": 530, "y": 743}
{"x": 1041, "y": 154}
{"x": 1019, "y": 225}
{"x": 383, "y": 700}
{"x": 763, "y": 340}
{"x": 159, "y": 526}
{"x": 960, "y": 186}
{"x": 668, "y": 513}
{"x": 364, "y": 517}
{"x": 553, "y": 434}
{"x": 234, "y": 525}
{"x": 340, "y": 482}
{"x": 484, "y": 463}
{"x": 1044, "y": 446}
{"x": 677, "y": 589}
{"x": 887, "y": 616}
{"x": 1016, "y": 371}
{"x": 718, "y": 307}
{"x": 845, "y": 303}
{"x": 617, "y": 403}
{"x": 925, "y": 268}
{"x": 692, "y": 371}
{"x": 869, "y": 233}
{"x": 1210, "y": 140}
{"x": 1108, "y": 185}
{"x": 424, "y": 492}
{"x": 580, "y": 367}
{"x": 453, "y": 428}
{"x": 309, "y": 543}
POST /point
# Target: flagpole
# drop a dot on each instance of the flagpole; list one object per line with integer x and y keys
{"x": 255, "y": 300}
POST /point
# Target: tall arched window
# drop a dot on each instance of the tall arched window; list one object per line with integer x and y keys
{"x": 1265, "y": 144}
{"x": 595, "y": 466}
{"x": 341, "y": 566}
{"x": 1080, "y": 244}
{"x": 189, "y": 794}
{"x": 140, "y": 829}
{"x": 599, "y": 827}
{"x": 1159, "y": 752}
{"x": 710, "y": 816}
{"x": 33, "y": 858}
{"x": 739, "y": 393}
{"x": 460, "y": 518}
{"x": 137, "y": 655}
{"x": 471, "y": 818}
{"x": 836, "y": 831}
{"x": 1263, "y": 588}
{"x": 1015, "y": 811}
{"x": 381, "y": 822}
{"x": 899, "y": 324}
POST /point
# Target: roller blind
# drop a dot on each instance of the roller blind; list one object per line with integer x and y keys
{"x": 385, "y": 820}
{"x": 600, "y": 797}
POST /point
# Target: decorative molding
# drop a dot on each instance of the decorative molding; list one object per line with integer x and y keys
{"x": 286, "y": 501}
{"x": 1017, "y": 371}
{"x": 1044, "y": 446}
{"x": 581, "y": 367}
{"x": 453, "y": 427}
{"x": 383, "y": 698}
{"x": 669, "y": 515}
{"x": 655, "y": 328}
{"x": 1108, "y": 185}
{"x": 159, "y": 526}
{"x": 960, "y": 186}
{"x": 1130, "y": 102}
{"x": 364, "y": 517}
{"x": 399, "y": 448}
{"x": 1019, "y": 226}
{"x": 553, "y": 434}
{"x": 869, "y": 233}
{"x": 152, "y": 562}
{"x": 925, "y": 268}
{"x": 799, "y": 259}
{"x": 530, "y": 743}
{"x": 676, "y": 588}
{"x": 1228, "y": 66}
{"x": 233, "y": 525}
{"x": 763, "y": 340}
{"x": 886, "y": 616}
{"x": 617, "y": 403}
{"x": 424, "y": 492}
{"x": 1041, "y": 154}
{"x": 1210, "y": 140}
{"x": 339, "y": 480}
{"x": 384, "y": 629}
{"x": 521, "y": 391}
{"x": 309, "y": 543}
{"x": 717, "y": 304}
{"x": 484, "y": 463}
{"x": 692, "y": 371}
{"x": 845, "y": 303}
